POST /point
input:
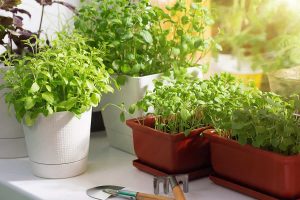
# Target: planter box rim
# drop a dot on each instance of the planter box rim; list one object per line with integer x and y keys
{"x": 178, "y": 136}
{"x": 211, "y": 134}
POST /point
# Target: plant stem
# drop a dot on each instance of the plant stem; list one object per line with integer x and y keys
{"x": 10, "y": 43}
{"x": 41, "y": 21}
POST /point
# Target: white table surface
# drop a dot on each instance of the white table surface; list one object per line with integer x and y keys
{"x": 107, "y": 166}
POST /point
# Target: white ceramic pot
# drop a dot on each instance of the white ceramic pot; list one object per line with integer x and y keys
{"x": 118, "y": 133}
{"x": 58, "y": 144}
{"x": 12, "y": 141}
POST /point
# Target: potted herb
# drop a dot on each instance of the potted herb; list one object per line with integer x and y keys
{"x": 142, "y": 42}
{"x": 15, "y": 39}
{"x": 168, "y": 139}
{"x": 258, "y": 153}
{"x": 52, "y": 92}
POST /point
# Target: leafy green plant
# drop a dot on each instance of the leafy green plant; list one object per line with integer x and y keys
{"x": 223, "y": 95}
{"x": 69, "y": 76}
{"x": 270, "y": 125}
{"x": 142, "y": 39}
{"x": 176, "y": 108}
{"x": 185, "y": 104}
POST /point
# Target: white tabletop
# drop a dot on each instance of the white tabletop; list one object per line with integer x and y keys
{"x": 107, "y": 166}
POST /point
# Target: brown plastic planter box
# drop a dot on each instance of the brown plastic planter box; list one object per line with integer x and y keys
{"x": 271, "y": 173}
{"x": 169, "y": 153}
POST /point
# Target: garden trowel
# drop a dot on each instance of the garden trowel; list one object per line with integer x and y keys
{"x": 106, "y": 191}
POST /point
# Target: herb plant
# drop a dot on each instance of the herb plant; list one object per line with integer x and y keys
{"x": 185, "y": 104}
{"x": 142, "y": 39}
{"x": 270, "y": 125}
{"x": 69, "y": 76}
{"x": 175, "y": 105}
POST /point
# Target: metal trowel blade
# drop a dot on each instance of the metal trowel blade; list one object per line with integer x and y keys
{"x": 98, "y": 193}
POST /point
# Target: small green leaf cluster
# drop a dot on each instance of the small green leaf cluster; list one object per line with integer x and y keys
{"x": 236, "y": 110}
{"x": 175, "y": 105}
{"x": 142, "y": 39}
{"x": 68, "y": 76}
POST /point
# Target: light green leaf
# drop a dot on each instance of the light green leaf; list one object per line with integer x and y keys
{"x": 29, "y": 103}
{"x": 28, "y": 119}
{"x": 34, "y": 87}
{"x": 175, "y": 51}
{"x": 48, "y": 88}
{"x": 90, "y": 85}
{"x": 48, "y": 97}
{"x": 147, "y": 36}
{"x": 95, "y": 98}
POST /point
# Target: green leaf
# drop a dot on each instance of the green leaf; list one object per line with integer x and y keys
{"x": 132, "y": 108}
{"x": 95, "y": 98}
{"x": 184, "y": 20}
{"x": 68, "y": 104}
{"x": 198, "y": 43}
{"x": 147, "y": 36}
{"x": 48, "y": 88}
{"x": 29, "y": 121}
{"x": 121, "y": 80}
{"x": 175, "y": 51}
{"x": 122, "y": 116}
{"x": 29, "y": 103}
{"x": 34, "y": 87}
{"x": 90, "y": 85}
{"x": 48, "y": 97}
{"x": 50, "y": 110}
{"x": 125, "y": 69}
{"x": 185, "y": 114}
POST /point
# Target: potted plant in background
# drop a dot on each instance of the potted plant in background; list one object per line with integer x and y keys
{"x": 12, "y": 37}
{"x": 52, "y": 92}
{"x": 282, "y": 51}
{"x": 142, "y": 41}
{"x": 12, "y": 142}
{"x": 243, "y": 34}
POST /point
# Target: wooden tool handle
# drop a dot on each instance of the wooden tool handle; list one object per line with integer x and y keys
{"x": 143, "y": 196}
{"x": 178, "y": 194}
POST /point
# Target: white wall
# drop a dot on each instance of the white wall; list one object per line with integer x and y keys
{"x": 55, "y": 17}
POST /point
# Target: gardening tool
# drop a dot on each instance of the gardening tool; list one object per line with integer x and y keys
{"x": 135, "y": 195}
{"x": 106, "y": 191}
{"x": 172, "y": 181}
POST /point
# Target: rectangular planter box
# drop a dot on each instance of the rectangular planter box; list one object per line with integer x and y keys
{"x": 169, "y": 153}
{"x": 271, "y": 173}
